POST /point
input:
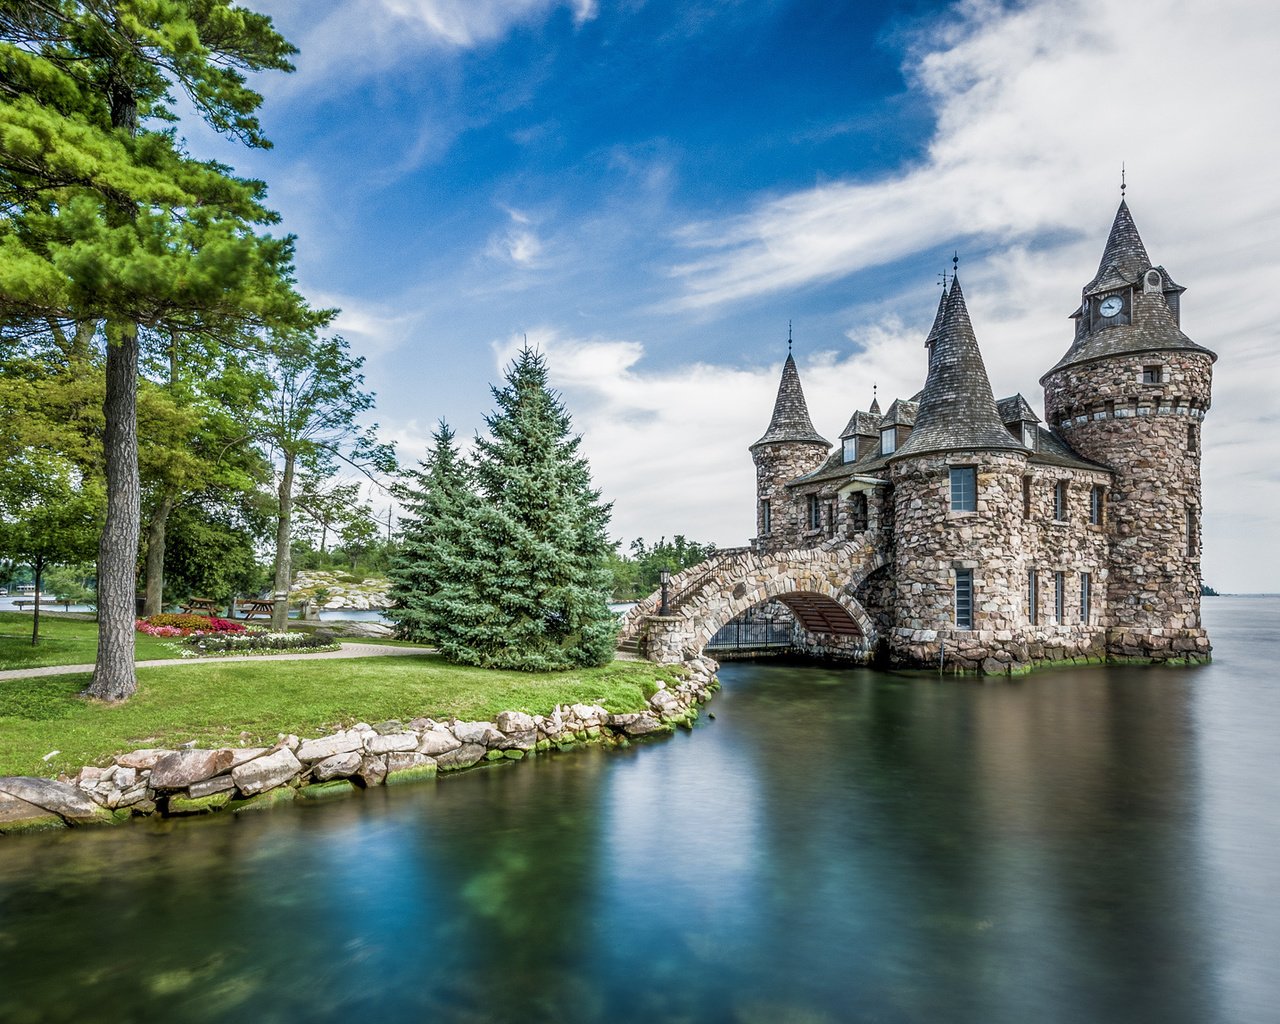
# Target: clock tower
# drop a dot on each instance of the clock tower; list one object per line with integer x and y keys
{"x": 1131, "y": 393}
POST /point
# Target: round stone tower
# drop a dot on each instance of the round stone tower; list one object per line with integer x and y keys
{"x": 789, "y": 448}
{"x": 1131, "y": 393}
{"x": 957, "y": 486}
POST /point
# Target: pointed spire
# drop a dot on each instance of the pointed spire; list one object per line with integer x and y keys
{"x": 937, "y": 317}
{"x": 790, "y": 420}
{"x": 957, "y": 408}
{"x": 875, "y": 399}
{"x": 1124, "y": 253}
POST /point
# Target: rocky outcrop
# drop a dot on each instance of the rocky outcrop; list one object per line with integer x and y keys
{"x": 184, "y": 782}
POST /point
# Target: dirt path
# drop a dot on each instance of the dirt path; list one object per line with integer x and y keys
{"x": 348, "y": 651}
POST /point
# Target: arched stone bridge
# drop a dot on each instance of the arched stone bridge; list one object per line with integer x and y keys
{"x": 817, "y": 584}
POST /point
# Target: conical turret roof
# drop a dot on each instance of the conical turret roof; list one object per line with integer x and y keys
{"x": 957, "y": 408}
{"x": 1125, "y": 257}
{"x": 790, "y": 420}
{"x": 1152, "y": 324}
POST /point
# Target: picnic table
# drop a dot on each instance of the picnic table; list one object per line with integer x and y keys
{"x": 254, "y": 608}
{"x": 201, "y": 606}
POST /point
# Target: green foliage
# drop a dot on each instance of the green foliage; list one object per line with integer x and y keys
{"x": 521, "y": 577}
{"x": 210, "y": 552}
{"x": 638, "y": 576}
{"x": 426, "y": 576}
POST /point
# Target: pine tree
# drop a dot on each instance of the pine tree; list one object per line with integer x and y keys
{"x": 530, "y": 583}
{"x": 429, "y": 564}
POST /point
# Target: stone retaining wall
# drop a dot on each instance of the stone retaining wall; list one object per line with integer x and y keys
{"x": 180, "y": 782}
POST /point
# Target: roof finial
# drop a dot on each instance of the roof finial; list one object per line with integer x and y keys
{"x": 955, "y": 263}
{"x": 875, "y": 388}
{"x": 1122, "y": 185}
{"x": 788, "y": 337}
{"x": 942, "y": 279}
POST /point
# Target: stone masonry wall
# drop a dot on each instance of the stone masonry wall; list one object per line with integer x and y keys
{"x": 777, "y": 464}
{"x": 1000, "y": 543}
{"x": 1150, "y": 435}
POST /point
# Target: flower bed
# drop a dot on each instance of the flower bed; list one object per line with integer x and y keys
{"x": 188, "y": 625}
{"x": 252, "y": 641}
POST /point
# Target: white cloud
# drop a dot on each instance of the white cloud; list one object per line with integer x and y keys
{"x": 350, "y": 39}
{"x": 519, "y": 244}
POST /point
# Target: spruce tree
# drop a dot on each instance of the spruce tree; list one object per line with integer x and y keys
{"x": 530, "y": 582}
{"x": 429, "y": 566}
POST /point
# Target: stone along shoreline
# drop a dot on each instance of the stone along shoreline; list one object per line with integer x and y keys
{"x": 174, "y": 783}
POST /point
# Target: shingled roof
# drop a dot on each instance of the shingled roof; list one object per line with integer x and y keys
{"x": 790, "y": 420}
{"x": 1125, "y": 257}
{"x": 957, "y": 408}
{"x": 1152, "y": 324}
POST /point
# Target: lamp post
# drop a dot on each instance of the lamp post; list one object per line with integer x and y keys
{"x": 664, "y": 577}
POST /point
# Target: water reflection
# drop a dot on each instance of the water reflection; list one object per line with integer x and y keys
{"x": 834, "y": 846}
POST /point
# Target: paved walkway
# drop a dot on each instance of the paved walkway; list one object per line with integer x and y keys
{"x": 348, "y": 651}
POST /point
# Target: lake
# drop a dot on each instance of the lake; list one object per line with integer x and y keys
{"x": 835, "y": 845}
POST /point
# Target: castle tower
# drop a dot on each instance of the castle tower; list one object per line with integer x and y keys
{"x": 957, "y": 486}
{"x": 788, "y": 449}
{"x": 1131, "y": 393}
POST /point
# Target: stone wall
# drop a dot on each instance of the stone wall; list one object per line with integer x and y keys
{"x": 1150, "y": 435}
{"x": 181, "y": 782}
{"x": 1001, "y": 542}
{"x": 777, "y": 464}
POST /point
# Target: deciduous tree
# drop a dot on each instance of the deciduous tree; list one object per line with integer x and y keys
{"x": 110, "y": 221}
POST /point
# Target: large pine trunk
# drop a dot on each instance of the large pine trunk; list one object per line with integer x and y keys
{"x": 153, "y": 604}
{"x": 284, "y": 526}
{"x": 113, "y": 675}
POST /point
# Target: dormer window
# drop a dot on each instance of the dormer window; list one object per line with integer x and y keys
{"x": 1029, "y": 435}
{"x": 850, "y": 449}
{"x": 888, "y": 440}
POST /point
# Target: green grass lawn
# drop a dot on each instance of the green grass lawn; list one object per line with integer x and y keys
{"x": 63, "y": 641}
{"x": 213, "y": 702}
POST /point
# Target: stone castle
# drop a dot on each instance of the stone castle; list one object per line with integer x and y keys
{"x": 957, "y": 531}
{"x": 1006, "y": 541}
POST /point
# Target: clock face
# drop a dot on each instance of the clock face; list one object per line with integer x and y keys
{"x": 1111, "y": 305}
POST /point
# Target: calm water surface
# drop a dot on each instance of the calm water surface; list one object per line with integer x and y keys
{"x": 1099, "y": 845}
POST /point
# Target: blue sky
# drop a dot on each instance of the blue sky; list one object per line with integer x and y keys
{"x": 650, "y": 191}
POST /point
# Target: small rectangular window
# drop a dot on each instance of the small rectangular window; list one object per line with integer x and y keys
{"x": 964, "y": 599}
{"x": 850, "y": 449}
{"x": 831, "y": 519}
{"x": 766, "y": 517}
{"x": 1095, "y": 505}
{"x": 815, "y": 513}
{"x": 1029, "y": 434}
{"x": 1192, "y": 533}
{"x": 1060, "y": 597}
{"x": 1085, "y": 597}
{"x": 1193, "y": 440}
{"x": 1033, "y": 614}
{"x": 888, "y": 440}
{"x": 964, "y": 489}
{"x": 1152, "y": 374}
{"x": 1026, "y": 497}
{"x": 1060, "y": 501}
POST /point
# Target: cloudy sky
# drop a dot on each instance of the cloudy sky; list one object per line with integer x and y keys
{"x": 650, "y": 190}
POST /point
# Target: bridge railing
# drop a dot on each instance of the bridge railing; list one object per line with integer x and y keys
{"x": 678, "y": 588}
